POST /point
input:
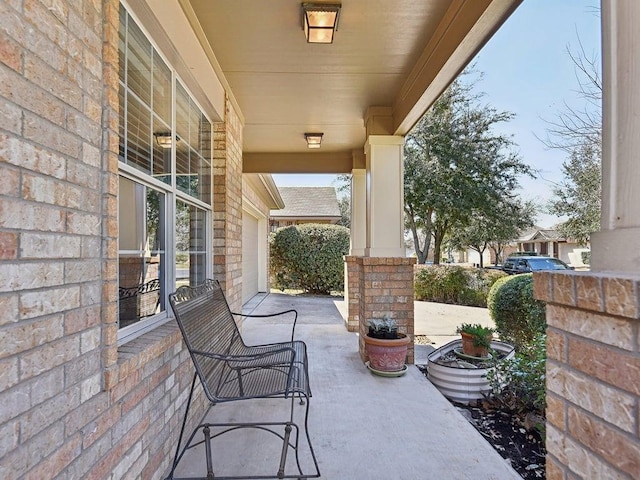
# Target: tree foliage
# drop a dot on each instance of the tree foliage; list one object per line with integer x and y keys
{"x": 578, "y": 196}
{"x": 494, "y": 228}
{"x": 456, "y": 166}
{"x": 309, "y": 257}
{"x": 342, "y": 184}
{"x": 579, "y": 133}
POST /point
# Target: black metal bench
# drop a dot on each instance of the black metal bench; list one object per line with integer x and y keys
{"x": 229, "y": 370}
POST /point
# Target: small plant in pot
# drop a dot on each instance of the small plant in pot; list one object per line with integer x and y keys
{"x": 383, "y": 328}
{"x": 476, "y": 339}
{"x": 386, "y": 347}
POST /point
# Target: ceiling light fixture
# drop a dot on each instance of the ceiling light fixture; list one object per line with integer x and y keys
{"x": 163, "y": 139}
{"x": 320, "y": 21}
{"x": 313, "y": 139}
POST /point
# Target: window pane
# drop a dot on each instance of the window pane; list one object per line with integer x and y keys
{"x": 139, "y": 63}
{"x": 141, "y": 251}
{"x": 161, "y": 89}
{"x": 161, "y": 156}
{"x": 190, "y": 244}
{"x": 122, "y": 34}
{"x": 182, "y": 113}
{"x": 138, "y": 135}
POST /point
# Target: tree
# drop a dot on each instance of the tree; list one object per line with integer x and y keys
{"x": 496, "y": 227}
{"x": 343, "y": 182}
{"x": 578, "y": 196}
{"x": 579, "y": 133}
{"x": 456, "y": 166}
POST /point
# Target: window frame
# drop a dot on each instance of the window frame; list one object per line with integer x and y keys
{"x": 170, "y": 190}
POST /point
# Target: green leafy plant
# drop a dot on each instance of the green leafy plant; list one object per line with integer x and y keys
{"x": 309, "y": 257}
{"x": 518, "y": 316}
{"x": 481, "y": 335}
{"x": 454, "y": 284}
{"x": 519, "y": 383}
{"x": 383, "y": 328}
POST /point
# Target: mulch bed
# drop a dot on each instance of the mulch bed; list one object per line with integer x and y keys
{"x": 511, "y": 434}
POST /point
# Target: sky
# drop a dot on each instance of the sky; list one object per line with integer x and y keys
{"x": 527, "y": 71}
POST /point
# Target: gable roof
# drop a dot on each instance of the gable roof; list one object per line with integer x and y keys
{"x": 308, "y": 202}
{"x": 540, "y": 234}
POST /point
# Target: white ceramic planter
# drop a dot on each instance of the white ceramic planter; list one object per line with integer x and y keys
{"x": 462, "y": 384}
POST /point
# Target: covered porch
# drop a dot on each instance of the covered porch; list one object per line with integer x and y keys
{"x": 236, "y": 89}
{"x": 362, "y": 426}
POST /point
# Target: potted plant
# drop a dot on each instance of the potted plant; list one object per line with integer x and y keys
{"x": 476, "y": 339}
{"x": 386, "y": 347}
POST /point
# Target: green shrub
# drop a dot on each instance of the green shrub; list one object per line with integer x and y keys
{"x": 454, "y": 284}
{"x": 518, "y": 317}
{"x": 519, "y": 383}
{"x": 309, "y": 257}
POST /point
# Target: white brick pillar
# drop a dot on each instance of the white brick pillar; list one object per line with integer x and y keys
{"x": 385, "y": 196}
{"x": 615, "y": 247}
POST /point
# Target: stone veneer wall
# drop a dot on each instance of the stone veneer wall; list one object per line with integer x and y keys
{"x": 593, "y": 374}
{"x": 227, "y": 206}
{"x": 385, "y": 288}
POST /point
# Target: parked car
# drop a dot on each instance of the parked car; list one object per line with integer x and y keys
{"x": 532, "y": 263}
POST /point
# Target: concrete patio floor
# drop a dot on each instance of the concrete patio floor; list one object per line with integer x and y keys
{"x": 362, "y": 426}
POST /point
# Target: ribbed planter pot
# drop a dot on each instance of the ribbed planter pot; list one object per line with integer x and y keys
{"x": 461, "y": 384}
{"x": 385, "y": 354}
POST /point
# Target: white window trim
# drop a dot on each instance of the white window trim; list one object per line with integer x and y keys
{"x": 172, "y": 193}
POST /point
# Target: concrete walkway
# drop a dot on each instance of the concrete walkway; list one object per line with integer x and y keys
{"x": 363, "y": 427}
{"x": 438, "y": 322}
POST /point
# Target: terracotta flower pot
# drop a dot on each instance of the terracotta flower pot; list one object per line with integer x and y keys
{"x": 470, "y": 348}
{"x": 387, "y": 355}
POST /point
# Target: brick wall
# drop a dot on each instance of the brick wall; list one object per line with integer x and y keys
{"x": 593, "y": 374}
{"x": 353, "y": 270}
{"x": 386, "y": 288}
{"x": 227, "y": 206}
{"x": 74, "y": 405}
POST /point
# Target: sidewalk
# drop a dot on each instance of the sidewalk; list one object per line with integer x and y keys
{"x": 438, "y": 321}
{"x": 365, "y": 427}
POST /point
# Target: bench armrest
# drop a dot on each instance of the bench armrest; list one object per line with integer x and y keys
{"x": 247, "y": 358}
{"x": 295, "y": 318}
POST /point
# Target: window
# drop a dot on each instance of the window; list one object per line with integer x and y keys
{"x": 165, "y": 186}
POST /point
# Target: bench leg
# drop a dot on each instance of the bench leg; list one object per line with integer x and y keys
{"x": 178, "y": 455}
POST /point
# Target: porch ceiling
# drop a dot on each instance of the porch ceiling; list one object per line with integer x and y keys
{"x": 398, "y": 54}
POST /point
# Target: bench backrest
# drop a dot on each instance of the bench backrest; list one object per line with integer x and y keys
{"x": 208, "y": 326}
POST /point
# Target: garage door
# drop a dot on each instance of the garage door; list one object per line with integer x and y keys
{"x": 249, "y": 256}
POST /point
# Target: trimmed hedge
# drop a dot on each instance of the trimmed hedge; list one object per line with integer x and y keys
{"x": 309, "y": 257}
{"x": 519, "y": 317}
{"x": 454, "y": 284}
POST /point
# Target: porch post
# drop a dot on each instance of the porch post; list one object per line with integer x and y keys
{"x": 385, "y": 196}
{"x": 385, "y": 274}
{"x": 358, "y": 238}
{"x": 615, "y": 247}
{"x": 593, "y": 367}
{"x": 358, "y": 212}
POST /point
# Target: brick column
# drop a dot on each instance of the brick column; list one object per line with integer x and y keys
{"x": 386, "y": 288}
{"x": 353, "y": 269}
{"x": 227, "y": 206}
{"x": 593, "y": 374}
